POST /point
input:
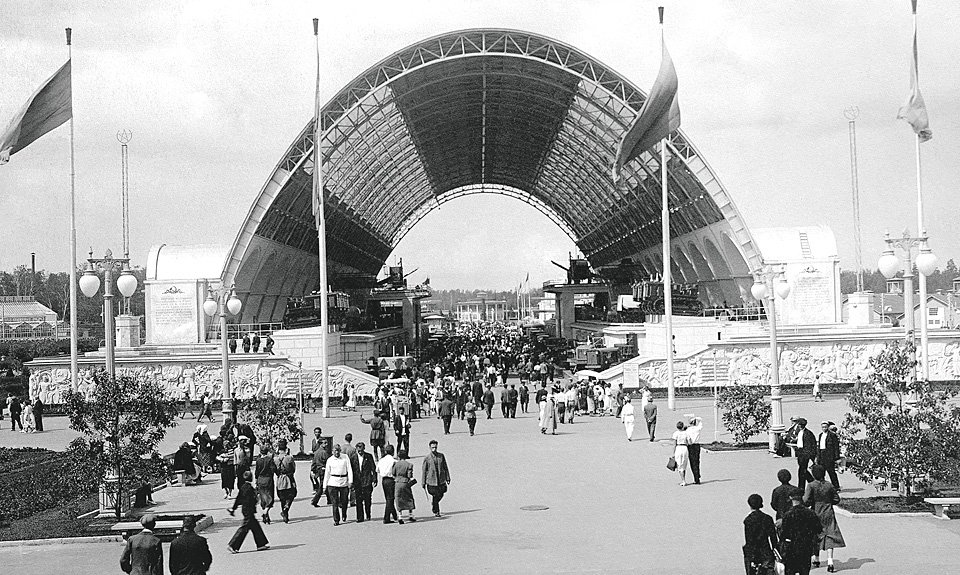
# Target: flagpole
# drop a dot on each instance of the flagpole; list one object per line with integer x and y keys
{"x": 667, "y": 282}
{"x": 921, "y": 232}
{"x": 74, "y": 370}
{"x": 321, "y": 232}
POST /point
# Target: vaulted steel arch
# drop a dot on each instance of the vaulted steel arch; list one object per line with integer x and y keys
{"x": 478, "y": 111}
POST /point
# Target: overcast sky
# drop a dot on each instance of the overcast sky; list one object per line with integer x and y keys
{"x": 214, "y": 93}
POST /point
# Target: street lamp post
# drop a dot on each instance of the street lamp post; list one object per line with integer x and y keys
{"x": 90, "y": 285}
{"x": 763, "y": 288}
{"x": 220, "y": 301}
{"x": 926, "y": 262}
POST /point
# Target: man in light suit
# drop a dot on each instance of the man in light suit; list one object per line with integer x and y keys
{"x": 436, "y": 476}
{"x": 828, "y": 451}
{"x": 806, "y": 452}
{"x": 143, "y": 554}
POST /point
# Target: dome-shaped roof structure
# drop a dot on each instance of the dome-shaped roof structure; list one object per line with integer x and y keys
{"x": 484, "y": 111}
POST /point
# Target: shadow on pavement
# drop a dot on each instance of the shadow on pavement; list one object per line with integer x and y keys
{"x": 853, "y": 563}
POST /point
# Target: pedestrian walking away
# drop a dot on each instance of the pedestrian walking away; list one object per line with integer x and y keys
{"x": 402, "y": 472}
{"x": 650, "y": 416}
{"x": 680, "y": 453}
{"x": 247, "y": 502}
{"x": 378, "y": 433}
{"x": 760, "y": 539}
{"x": 693, "y": 446}
{"x": 263, "y": 473}
{"x": 799, "y": 533}
{"x": 821, "y": 497}
{"x": 189, "y": 553}
{"x": 436, "y": 476}
{"x": 143, "y": 553}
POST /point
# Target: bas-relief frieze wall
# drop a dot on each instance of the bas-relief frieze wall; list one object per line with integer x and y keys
{"x": 247, "y": 379}
{"x": 800, "y": 363}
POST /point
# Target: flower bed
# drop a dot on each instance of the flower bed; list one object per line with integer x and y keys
{"x": 36, "y": 480}
{"x": 885, "y": 504}
{"x": 748, "y": 446}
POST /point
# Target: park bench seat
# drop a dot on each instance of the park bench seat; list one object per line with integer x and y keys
{"x": 941, "y": 504}
{"x": 135, "y": 526}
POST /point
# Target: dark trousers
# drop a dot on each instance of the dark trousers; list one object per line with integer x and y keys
{"x": 286, "y": 497}
{"x": 757, "y": 563}
{"x": 523, "y": 404}
{"x": 512, "y": 410}
{"x": 803, "y": 473}
{"x": 403, "y": 442}
{"x": 471, "y": 423}
{"x": 436, "y": 492}
{"x": 652, "y": 428}
{"x": 489, "y": 409}
{"x": 377, "y": 448}
{"x": 364, "y": 497}
{"x": 829, "y": 466}
{"x": 389, "y": 510}
{"x": 693, "y": 451}
{"x": 503, "y": 409}
{"x": 801, "y": 567}
{"x": 15, "y": 421}
{"x": 340, "y": 499}
{"x": 39, "y": 420}
{"x": 249, "y": 524}
{"x": 446, "y": 424}
{"x": 460, "y": 411}
{"x": 561, "y": 409}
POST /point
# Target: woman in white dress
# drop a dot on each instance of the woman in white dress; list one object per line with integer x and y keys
{"x": 352, "y": 398}
{"x": 680, "y": 452}
{"x": 29, "y": 423}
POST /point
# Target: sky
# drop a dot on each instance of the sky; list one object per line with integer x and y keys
{"x": 214, "y": 92}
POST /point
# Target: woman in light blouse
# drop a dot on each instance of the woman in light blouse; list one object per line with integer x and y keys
{"x": 680, "y": 451}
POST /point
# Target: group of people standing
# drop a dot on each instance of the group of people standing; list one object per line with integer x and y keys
{"x": 27, "y": 415}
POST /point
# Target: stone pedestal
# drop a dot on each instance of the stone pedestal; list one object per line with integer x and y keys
{"x": 108, "y": 498}
{"x": 128, "y": 331}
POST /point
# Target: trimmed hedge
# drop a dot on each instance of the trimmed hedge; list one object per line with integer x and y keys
{"x": 36, "y": 480}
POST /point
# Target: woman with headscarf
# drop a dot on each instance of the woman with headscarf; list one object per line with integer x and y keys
{"x": 286, "y": 483}
{"x": 204, "y": 446}
{"x": 228, "y": 472}
{"x": 821, "y": 496}
{"x": 680, "y": 451}
{"x": 263, "y": 479}
{"x": 183, "y": 461}
{"x": 403, "y": 486}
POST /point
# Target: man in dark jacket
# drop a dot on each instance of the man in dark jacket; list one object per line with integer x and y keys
{"x": 488, "y": 401}
{"x": 760, "y": 538}
{"x": 365, "y": 479}
{"x": 189, "y": 553}
{"x": 780, "y": 498}
{"x": 798, "y": 534}
{"x": 247, "y": 501}
{"x": 446, "y": 413}
{"x": 436, "y": 476}
{"x": 38, "y": 413}
{"x": 143, "y": 553}
{"x": 513, "y": 397}
{"x": 806, "y": 452}
{"x": 828, "y": 451}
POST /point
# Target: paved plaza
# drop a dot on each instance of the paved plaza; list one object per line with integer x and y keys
{"x": 612, "y": 507}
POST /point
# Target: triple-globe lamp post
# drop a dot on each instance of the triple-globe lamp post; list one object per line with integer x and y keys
{"x": 90, "y": 285}
{"x": 221, "y": 301}
{"x": 765, "y": 288}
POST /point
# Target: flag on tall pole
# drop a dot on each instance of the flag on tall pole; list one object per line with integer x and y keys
{"x": 659, "y": 116}
{"x": 74, "y": 326}
{"x": 914, "y": 110}
{"x": 48, "y": 108}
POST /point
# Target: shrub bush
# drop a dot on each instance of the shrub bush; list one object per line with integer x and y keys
{"x": 745, "y": 413}
{"x": 35, "y": 480}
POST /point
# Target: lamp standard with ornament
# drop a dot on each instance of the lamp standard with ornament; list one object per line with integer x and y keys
{"x": 90, "y": 285}
{"x": 223, "y": 300}
{"x": 765, "y": 288}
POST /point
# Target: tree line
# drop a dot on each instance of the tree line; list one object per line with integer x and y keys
{"x": 876, "y": 282}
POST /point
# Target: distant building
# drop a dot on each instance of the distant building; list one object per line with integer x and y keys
{"x": 482, "y": 310}
{"x": 23, "y": 317}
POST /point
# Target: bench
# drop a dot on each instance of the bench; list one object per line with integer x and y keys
{"x": 941, "y": 504}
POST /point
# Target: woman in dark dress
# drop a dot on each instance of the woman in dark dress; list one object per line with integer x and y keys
{"x": 821, "y": 496}
{"x": 228, "y": 473}
{"x": 204, "y": 447}
{"x": 403, "y": 486}
{"x": 263, "y": 475}
{"x": 183, "y": 461}
{"x": 286, "y": 469}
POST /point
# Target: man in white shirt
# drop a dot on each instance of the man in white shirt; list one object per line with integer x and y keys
{"x": 385, "y": 471}
{"x": 337, "y": 479}
{"x": 693, "y": 446}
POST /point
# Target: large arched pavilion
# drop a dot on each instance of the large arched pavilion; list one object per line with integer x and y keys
{"x": 484, "y": 111}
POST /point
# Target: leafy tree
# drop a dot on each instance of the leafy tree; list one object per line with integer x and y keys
{"x": 271, "y": 419}
{"x": 745, "y": 412}
{"x": 901, "y": 428}
{"x": 121, "y": 427}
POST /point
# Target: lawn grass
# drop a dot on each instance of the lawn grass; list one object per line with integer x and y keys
{"x": 52, "y": 523}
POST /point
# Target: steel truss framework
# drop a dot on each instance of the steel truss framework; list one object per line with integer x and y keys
{"x": 485, "y": 111}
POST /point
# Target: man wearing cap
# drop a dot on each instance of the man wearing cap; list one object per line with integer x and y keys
{"x": 247, "y": 502}
{"x": 798, "y": 534}
{"x": 693, "y": 446}
{"x": 828, "y": 451}
{"x": 143, "y": 553}
{"x": 189, "y": 553}
{"x": 787, "y": 438}
{"x": 650, "y": 415}
{"x": 806, "y": 452}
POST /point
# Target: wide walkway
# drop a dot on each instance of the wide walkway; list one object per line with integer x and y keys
{"x": 611, "y": 507}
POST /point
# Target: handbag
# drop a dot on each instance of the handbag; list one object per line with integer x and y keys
{"x": 778, "y": 567}
{"x": 672, "y": 464}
